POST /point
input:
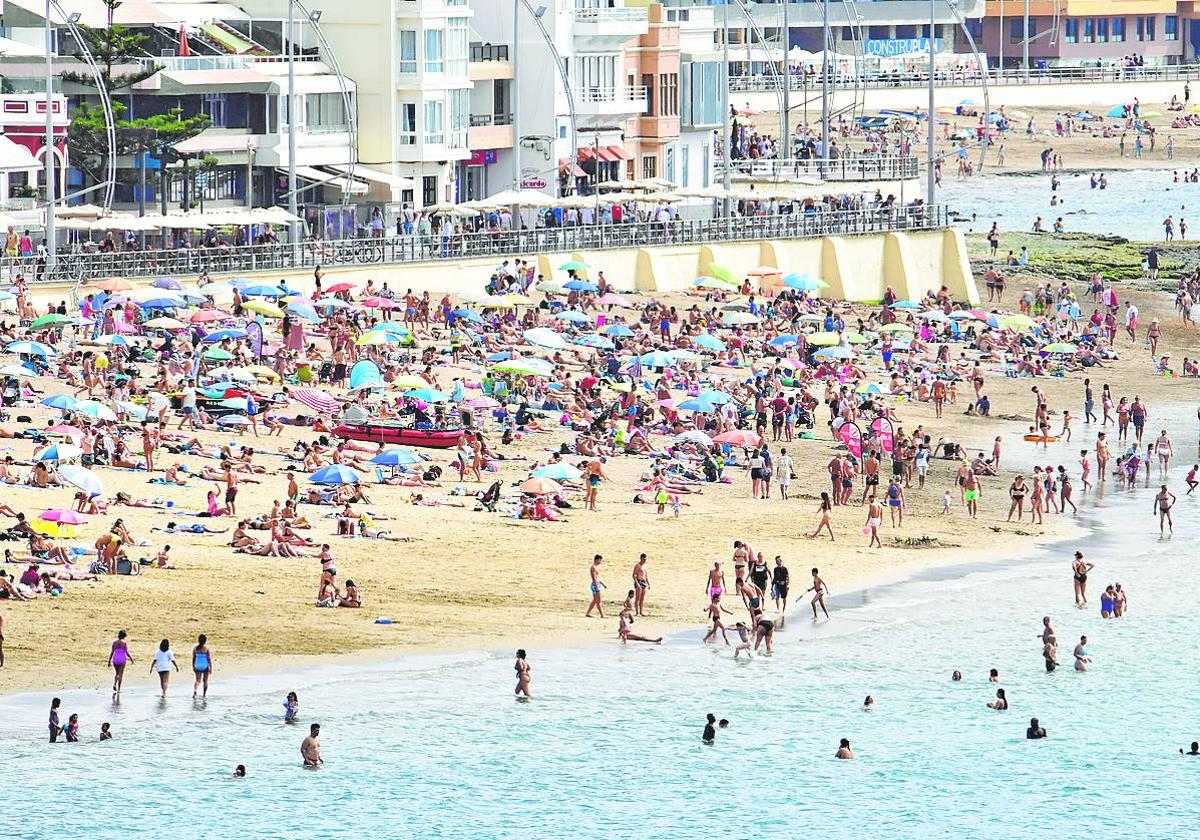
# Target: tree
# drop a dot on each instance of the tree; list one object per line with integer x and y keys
{"x": 157, "y": 134}
{"x": 111, "y": 46}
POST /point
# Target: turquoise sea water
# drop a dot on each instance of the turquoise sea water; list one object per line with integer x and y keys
{"x": 1134, "y": 205}
{"x": 610, "y": 746}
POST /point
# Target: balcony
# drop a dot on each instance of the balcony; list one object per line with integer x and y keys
{"x": 619, "y": 23}
{"x": 490, "y": 131}
{"x": 616, "y": 101}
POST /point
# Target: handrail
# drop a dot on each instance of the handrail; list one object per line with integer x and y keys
{"x": 462, "y": 245}
{"x": 860, "y": 168}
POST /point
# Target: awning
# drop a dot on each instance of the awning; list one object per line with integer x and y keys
{"x": 374, "y": 175}
{"x": 215, "y": 143}
{"x": 586, "y": 153}
{"x": 619, "y": 153}
{"x": 309, "y": 173}
{"x": 15, "y": 157}
{"x": 606, "y": 155}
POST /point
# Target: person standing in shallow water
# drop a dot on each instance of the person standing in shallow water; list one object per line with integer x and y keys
{"x": 164, "y": 660}
{"x": 521, "y": 666}
{"x": 118, "y": 658}
{"x": 202, "y": 665}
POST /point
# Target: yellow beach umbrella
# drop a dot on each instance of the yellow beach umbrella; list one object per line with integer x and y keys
{"x": 409, "y": 381}
{"x": 53, "y": 529}
{"x": 262, "y": 372}
{"x": 263, "y": 307}
{"x": 1017, "y": 323}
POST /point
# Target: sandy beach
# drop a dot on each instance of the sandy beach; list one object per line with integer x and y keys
{"x": 470, "y": 579}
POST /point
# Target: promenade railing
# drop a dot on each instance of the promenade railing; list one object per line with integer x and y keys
{"x": 398, "y": 250}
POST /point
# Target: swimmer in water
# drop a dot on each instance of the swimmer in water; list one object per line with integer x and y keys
{"x": 290, "y": 707}
{"x": 1081, "y": 655}
{"x": 523, "y": 678}
{"x": 1035, "y": 731}
{"x": 868, "y": 703}
{"x": 994, "y": 675}
{"x": 1000, "y": 704}
{"x": 239, "y": 772}
{"x": 1195, "y": 750}
{"x": 956, "y": 676}
{"x": 710, "y": 732}
{"x": 844, "y": 750}
{"x": 310, "y": 747}
{"x": 106, "y": 731}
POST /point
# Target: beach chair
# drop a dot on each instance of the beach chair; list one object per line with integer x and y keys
{"x": 490, "y": 497}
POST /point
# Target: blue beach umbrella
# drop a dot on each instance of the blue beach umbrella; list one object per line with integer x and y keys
{"x": 58, "y": 452}
{"x": 715, "y": 397}
{"x": 656, "y": 359}
{"x": 30, "y": 348}
{"x": 167, "y": 283}
{"x": 581, "y": 286}
{"x": 834, "y": 353}
{"x": 262, "y": 290}
{"x": 558, "y": 472}
{"x": 220, "y": 335}
{"x": 428, "y": 395}
{"x": 573, "y": 316}
{"x": 63, "y": 402}
{"x": 598, "y": 342}
{"x": 396, "y": 457}
{"x": 695, "y": 404}
{"x": 618, "y": 331}
{"x": 303, "y": 309}
{"x": 710, "y": 342}
{"x": 468, "y": 315}
{"x": 335, "y": 474}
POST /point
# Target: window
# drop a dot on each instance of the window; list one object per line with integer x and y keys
{"x": 1089, "y": 30}
{"x": 408, "y": 51}
{"x": 435, "y": 127}
{"x": 1171, "y": 28}
{"x": 705, "y": 167}
{"x": 460, "y": 115}
{"x": 668, "y": 94}
{"x": 1101, "y": 30}
{"x": 429, "y": 190}
{"x": 1071, "y": 31}
{"x": 214, "y": 106}
{"x": 1014, "y": 30}
{"x": 648, "y": 85}
{"x": 649, "y": 166}
{"x": 1150, "y": 28}
{"x": 408, "y": 123}
{"x": 1118, "y": 29}
{"x": 683, "y": 166}
{"x": 434, "y": 41}
{"x": 457, "y": 48}
{"x": 325, "y": 113}
{"x": 669, "y": 165}
{"x": 975, "y": 27}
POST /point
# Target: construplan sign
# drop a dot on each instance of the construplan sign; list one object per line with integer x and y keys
{"x": 893, "y": 47}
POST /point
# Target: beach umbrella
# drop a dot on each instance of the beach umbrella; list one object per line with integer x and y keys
{"x": 1116, "y": 111}
{"x": 331, "y": 303}
{"x": 713, "y": 283}
{"x": 722, "y": 273}
{"x": 428, "y": 395}
{"x": 393, "y": 327}
{"x": 84, "y": 479}
{"x": 17, "y": 370}
{"x": 541, "y": 486}
{"x": 524, "y": 367}
{"x": 64, "y": 430}
{"x": 598, "y": 342}
{"x": 262, "y": 372}
{"x": 95, "y": 409}
{"x": 656, "y": 359}
{"x": 573, "y": 316}
{"x": 262, "y": 290}
{"x": 896, "y": 328}
{"x": 855, "y": 337}
{"x": 834, "y": 353}
{"x": 167, "y": 283}
{"x": 53, "y": 529}
{"x": 783, "y": 340}
{"x": 715, "y": 397}
{"x": 59, "y": 452}
{"x": 710, "y": 342}
{"x": 934, "y": 315}
{"x": 373, "y": 338}
{"x": 739, "y": 437}
{"x": 581, "y": 286}
{"x": 469, "y": 315}
{"x": 1060, "y": 347}
{"x": 314, "y": 398}
{"x": 162, "y": 302}
{"x": 396, "y": 456}
{"x": 906, "y": 304}
{"x": 558, "y": 472}
{"x": 611, "y": 299}
{"x": 682, "y": 355}
{"x": 164, "y": 323}
{"x": 738, "y": 319}
{"x": 823, "y": 339}
{"x": 215, "y": 289}
{"x": 545, "y": 337}
{"x": 205, "y": 316}
{"x": 483, "y": 402}
{"x": 114, "y": 340}
{"x": 618, "y": 331}
{"x": 871, "y": 388}
{"x": 340, "y": 287}
{"x": 408, "y": 381}
{"x": 696, "y": 404}
{"x": 66, "y": 516}
{"x": 379, "y": 303}
{"x": 137, "y": 412}
{"x": 573, "y": 265}
{"x": 263, "y": 307}
{"x": 63, "y": 402}
{"x": 694, "y": 436}
{"x": 965, "y": 315}
{"x": 303, "y": 309}
{"x": 335, "y": 474}
{"x": 220, "y": 335}
{"x": 216, "y": 354}
{"x": 112, "y": 284}
{"x": 804, "y": 283}
{"x": 1016, "y": 323}
{"x": 30, "y": 348}
{"x": 550, "y": 287}
{"x": 52, "y": 320}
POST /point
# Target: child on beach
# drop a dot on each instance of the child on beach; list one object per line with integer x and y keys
{"x": 1086, "y": 466}
{"x": 1191, "y": 478}
{"x": 946, "y": 503}
{"x": 743, "y": 640}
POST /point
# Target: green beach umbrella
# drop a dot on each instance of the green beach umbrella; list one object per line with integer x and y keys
{"x": 573, "y": 265}
{"x": 722, "y": 273}
{"x": 1060, "y": 347}
{"x": 520, "y": 367}
{"x": 50, "y": 321}
{"x": 896, "y": 328}
{"x": 1018, "y": 323}
{"x": 822, "y": 339}
{"x": 714, "y": 283}
{"x": 216, "y": 354}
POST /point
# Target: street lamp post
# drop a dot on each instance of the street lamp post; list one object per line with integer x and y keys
{"x": 930, "y": 180}
{"x": 51, "y": 246}
{"x": 293, "y": 227}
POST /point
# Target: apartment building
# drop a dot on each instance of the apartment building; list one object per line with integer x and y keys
{"x": 1065, "y": 33}
{"x": 701, "y": 112}
{"x": 490, "y": 134}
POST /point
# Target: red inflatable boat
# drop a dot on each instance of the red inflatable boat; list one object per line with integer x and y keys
{"x": 399, "y": 435}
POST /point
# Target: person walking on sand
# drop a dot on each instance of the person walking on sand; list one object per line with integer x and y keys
{"x": 521, "y": 666}
{"x": 714, "y": 610}
{"x": 310, "y": 747}
{"x": 1164, "y": 500}
{"x": 202, "y": 665}
{"x": 874, "y": 520}
{"x": 164, "y": 660}
{"x": 118, "y": 658}
{"x": 819, "y": 591}
{"x": 597, "y": 585}
{"x": 595, "y": 475}
{"x": 823, "y": 510}
{"x": 641, "y": 582}
{"x": 1079, "y": 571}
{"x": 895, "y": 497}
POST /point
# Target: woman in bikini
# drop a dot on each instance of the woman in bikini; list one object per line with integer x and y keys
{"x": 1016, "y": 492}
{"x": 823, "y": 510}
{"x": 521, "y": 666}
{"x": 1079, "y": 571}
